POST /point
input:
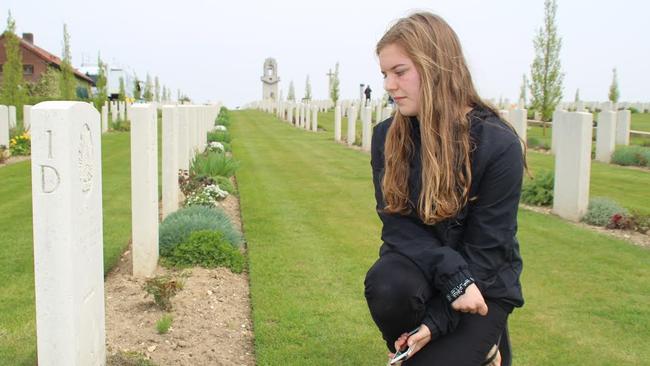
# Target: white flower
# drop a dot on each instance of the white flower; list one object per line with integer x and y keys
{"x": 220, "y": 128}
{"x": 214, "y": 191}
{"x": 215, "y": 145}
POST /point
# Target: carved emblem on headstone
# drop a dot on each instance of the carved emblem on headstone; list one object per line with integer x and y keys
{"x": 85, "y": 159}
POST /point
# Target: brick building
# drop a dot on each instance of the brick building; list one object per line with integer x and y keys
{"x": 36, "y": 61}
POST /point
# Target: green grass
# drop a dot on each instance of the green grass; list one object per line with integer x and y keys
{"x": 17, "y": 307}
{"x": 641, "y": 122}
{"x": 312, "y": 233}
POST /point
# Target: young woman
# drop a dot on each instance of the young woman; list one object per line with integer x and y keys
{"x": 447, "y": 173}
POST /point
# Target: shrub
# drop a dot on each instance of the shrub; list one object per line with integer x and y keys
{"x": 533, "y": 142}
{"x": 4, "y": 154}
{"x": 178, "y": 226}
{"x": 163, "y": 325}
{"x": 163, "y": 288}
{"x": 206, "y": 249}
{"x": 225, "y": 184}
{"x": 539, "y": 190}
{"x": 223, "y": 118}
{"x": 642, "y": 223}
{"x": 120, "y": 125}
{"x": 207, "y": 196}
{"x": 220, "y": 136}
{"x": 601, "y": 210}
{"x": 21, "y": 144}
{"x": 631, "y": 155}
{"x": 633, "y": 110}
{"x": 213, "y": 164}
{"x": 192, "y": 183}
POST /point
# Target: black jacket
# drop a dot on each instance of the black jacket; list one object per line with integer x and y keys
{"x": 479, "y": 243}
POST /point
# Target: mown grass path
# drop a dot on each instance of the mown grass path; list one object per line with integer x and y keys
{"x": 308, "y": 213}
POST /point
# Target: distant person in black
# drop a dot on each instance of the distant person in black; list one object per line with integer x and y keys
{"x": 367, "y": 93}
{"x": 447, "y": 172}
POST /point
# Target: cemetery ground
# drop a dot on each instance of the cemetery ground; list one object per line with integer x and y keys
{"x": 312, "y": 232}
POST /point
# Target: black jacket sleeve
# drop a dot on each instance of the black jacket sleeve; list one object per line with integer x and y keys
{"x": 489, "y": 236}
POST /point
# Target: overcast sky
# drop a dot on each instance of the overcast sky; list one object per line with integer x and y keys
{"x": 215, "y": 50}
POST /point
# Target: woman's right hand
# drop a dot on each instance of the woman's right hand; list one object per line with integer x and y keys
{"x": 471, "y": 301}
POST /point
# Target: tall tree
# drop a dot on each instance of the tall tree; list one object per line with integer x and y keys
{"x": 157, "y": 89}
{"x": 613, "y": 89}
{"x": 13, "y": 91}
{"x": 307, "y": 89}
{"x": 102, "y": 90}
{"x": 576, "y": 99}
{"x": 68, "y": 83}
{"x": 522, "y": 90}
{"x": 148, "y": 90}
{"x": 291, "y": 95}
{"x": 137, "y": 89}
{"x": 334, "y": 92}
{"x": 547, "y": 77}
{"x": 122, "y": 92}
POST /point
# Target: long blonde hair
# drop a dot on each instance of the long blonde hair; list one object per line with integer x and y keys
{"x": 446, "y": 93}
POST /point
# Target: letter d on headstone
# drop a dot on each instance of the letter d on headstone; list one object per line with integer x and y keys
{"x": 68, "y": 236}
{"x": 144, "y": 189}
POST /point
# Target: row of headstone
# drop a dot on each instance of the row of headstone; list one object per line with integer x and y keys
{"x": 581, "y": 106}
{"x": 613, "y": 129}
{"x": 305, "y": 115}
{"x": 67, "y": 214}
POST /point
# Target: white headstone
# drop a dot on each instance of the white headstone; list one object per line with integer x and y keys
{"x": 113, "y": 111}
{"x": 352, "y": 125}
{"x": 4, "y": 127}
{"x": 314, "y": 119}
{"x": 290, "y": 113}
{"x": 366, "y": 129}
{"x": 105, "y": 117}
{"x": 605, "y": 136}
{"x": 378, "y": 111}
{"x": 307, "y": 125}
{"x": 558, "y": 119}
{"x": 122, "y": 110}
{"x": 519, "y": 120}
{"x": 573, "y": 166}
{"x": 27, "y": 117}
{"x": 144, "y": 189}
{"x": 337, "y": 123}
{"x": 623, "y": 121}
{"x": 169, "y": 160}
{"x": 183, "y": 139}
{"x": 12, "y": 116}
{"x": 388, "y": 111}
{"x": 68, "y": 234}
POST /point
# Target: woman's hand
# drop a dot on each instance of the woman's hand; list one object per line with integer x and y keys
{"x": 471, "y": 302}
{"x": 416, "y": 341}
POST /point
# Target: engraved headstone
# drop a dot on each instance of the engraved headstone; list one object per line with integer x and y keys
{"x": 68, "y": 238}
{"x": 144, "y": 189}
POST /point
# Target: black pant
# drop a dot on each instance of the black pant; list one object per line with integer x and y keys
{"x": 397, "y": 294}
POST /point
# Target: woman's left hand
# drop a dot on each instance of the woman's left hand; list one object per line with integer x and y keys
{"x": 416, "y": 341}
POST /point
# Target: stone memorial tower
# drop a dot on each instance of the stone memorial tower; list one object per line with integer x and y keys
{"x": 270, "y": 80}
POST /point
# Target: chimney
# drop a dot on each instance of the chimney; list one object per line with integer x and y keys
{"x": 29, "y": 37}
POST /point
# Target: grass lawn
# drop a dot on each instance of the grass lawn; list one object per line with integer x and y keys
{"x": 641, "y": 122}
{"x": 17, "y": 309}
{"x": 312, "y": 233}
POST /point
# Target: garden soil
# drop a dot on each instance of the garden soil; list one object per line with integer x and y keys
{"x": 211, "y": 315}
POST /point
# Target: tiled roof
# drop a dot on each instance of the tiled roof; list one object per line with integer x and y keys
{"x": 50, "y": 58}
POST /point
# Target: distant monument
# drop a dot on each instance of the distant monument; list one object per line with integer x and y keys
{"x": 270, "y": 80}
